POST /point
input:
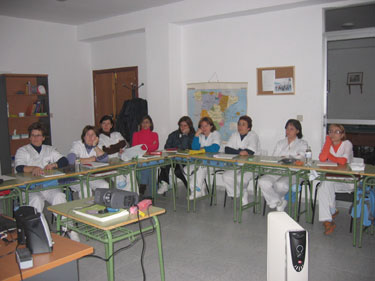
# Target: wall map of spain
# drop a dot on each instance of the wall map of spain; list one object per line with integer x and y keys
{"x": 223, "y": 102}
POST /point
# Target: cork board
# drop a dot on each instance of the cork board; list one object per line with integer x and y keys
{"x": 276, "y": 80}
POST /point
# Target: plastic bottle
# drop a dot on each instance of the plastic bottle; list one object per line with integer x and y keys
{"x": 77, "y": 165}
{"x": 308, "y": 156}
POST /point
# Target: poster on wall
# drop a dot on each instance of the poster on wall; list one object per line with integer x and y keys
{"x": 224, "y": 102}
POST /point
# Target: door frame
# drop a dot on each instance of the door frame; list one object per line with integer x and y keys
{"x": 114, "y": 90}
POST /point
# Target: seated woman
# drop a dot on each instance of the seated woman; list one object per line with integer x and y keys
{"x": 110, "y": 142}
{"x": 243, "y": 142}
{"x": 36, "y": 158}
{"x": 182, "y": 138}
{"x": 86, "y": 150}
{"x": 339, "y": 150}
{"x": 113, "y": 144}
{"x": 151, "y": 139}
{"x": 275, "y": 187}
{"x": 208, "y": 138}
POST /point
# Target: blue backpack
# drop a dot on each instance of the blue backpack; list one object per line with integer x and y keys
{"x": 369, "y": 208}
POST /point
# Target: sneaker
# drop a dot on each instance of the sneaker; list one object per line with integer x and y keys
{"x": 281, "y": 206}
{"x": 197, "y": 195}
{"x": 71, "y": 234}
{"x": 74, "y": 236}
{"x": 329, "y": 227}
{"x": 163, "y": 187}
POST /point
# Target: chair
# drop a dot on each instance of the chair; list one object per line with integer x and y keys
{"x": 346, "y": 197}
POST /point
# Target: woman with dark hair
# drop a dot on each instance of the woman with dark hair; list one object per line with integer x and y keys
{"x": 113, "y": 144}
{"x": 339, "y": 150}
{"x": 207, "y": 138}
{"x": 87, "y": 151}
{"x": 182, "y": 138}
{"x": 275, "y": 187}
{"x": 110, "y": 142}
{"x": 243, "y": 142}
{"x": 146, "y": 136}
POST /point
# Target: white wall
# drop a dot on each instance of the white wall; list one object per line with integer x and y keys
{"x": 234, "y": 48}
{"x": 121, "y": 51}
{"x": 46, "y": 48}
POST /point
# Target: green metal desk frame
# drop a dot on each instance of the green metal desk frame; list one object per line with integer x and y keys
{"x": 107, "y": 237}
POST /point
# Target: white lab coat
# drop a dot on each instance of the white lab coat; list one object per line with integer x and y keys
{"x": 79, "y": 149}
{"x": 122, "y": 182}
{"x": 213, "y": 138}
{"x": 107, "y": 141}
{"x": 250, "y": 141}
{"x": 275, "y": 187}
{"x": 28, "y": 156}
{"x": 327, "y": 189}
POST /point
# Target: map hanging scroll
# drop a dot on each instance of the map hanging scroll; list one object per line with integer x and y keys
{"x": 223, "y": 102}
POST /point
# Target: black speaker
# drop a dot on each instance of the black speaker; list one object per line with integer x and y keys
{"x": 20, "y": 215}
{"x": 116, "y": 199}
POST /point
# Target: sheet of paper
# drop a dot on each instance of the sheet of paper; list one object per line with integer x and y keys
{"x": 268, "y": 80}
{"x": 7, "y": 178}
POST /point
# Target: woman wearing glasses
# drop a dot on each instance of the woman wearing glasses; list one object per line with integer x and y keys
{"x": 339, "y": 150}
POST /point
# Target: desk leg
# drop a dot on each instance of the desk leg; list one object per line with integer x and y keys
{"x": 241, "y": 188}
{"x": 109, "y": 253}
{"x": 235, "y": 196}
{"x": 160, "y": 248}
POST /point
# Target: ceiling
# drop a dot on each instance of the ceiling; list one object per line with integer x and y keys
{"x": 75, "y": 12}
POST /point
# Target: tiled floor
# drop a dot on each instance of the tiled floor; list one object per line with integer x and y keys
{"x": 207, "y": 245}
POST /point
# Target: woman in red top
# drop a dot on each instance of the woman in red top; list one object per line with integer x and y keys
{"x": 151, "y": 139}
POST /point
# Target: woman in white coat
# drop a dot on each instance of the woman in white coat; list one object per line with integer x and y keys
{"x": 36, "y": 158}
{"x": 339, "y": 150}
{"x": 243, "y": 142}
{"x": 275, "y": 187}
{"x": 113, "y": 143}
{"x": 208, "y": 138}
{"x": 87, "y": 151}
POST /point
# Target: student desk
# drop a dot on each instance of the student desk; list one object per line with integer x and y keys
{"x": 108, "y": 232}
{"x": 59, "y": 265}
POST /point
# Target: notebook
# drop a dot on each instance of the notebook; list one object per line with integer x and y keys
{"x": 225, "y": 156}
{"x": 94, "y": 165}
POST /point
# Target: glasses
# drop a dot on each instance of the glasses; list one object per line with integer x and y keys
{"x": 36, "y": 136}
{"x": 335, "y": 132}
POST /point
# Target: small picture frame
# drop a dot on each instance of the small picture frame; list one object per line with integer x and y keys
{"x": 355, "y": 78}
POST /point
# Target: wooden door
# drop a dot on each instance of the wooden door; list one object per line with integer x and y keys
{"x": 111, "y": 88}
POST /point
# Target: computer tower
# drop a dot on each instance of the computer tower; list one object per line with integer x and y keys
{"x": 287, "y": 249}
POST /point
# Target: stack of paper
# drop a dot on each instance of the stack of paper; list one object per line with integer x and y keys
{"x": 96, "y": 212}
{"x": 326, "y": 164}
{"x": 225, "y": 156}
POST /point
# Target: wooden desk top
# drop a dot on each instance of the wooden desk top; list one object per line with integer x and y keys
{"x": 64, "y": 251}
{"x": 66, "y": 210}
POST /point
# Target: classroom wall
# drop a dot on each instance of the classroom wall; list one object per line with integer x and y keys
{"x": 234, "y": 48}
{"x": 191, "y": 40}
{"x": 29, "y": 46}
{"x": 121, "y": 51}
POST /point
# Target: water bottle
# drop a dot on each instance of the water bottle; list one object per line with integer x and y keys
{"x": 308, "y": 156}
{"x": 77, "y": 165}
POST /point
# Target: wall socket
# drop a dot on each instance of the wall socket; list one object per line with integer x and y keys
{"x": 300, "y": 118}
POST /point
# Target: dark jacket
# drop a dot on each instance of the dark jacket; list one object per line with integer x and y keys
{"x": 177, "y": 140}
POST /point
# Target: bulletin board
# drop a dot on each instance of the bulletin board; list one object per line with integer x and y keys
{"x": 276, "y": 80}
